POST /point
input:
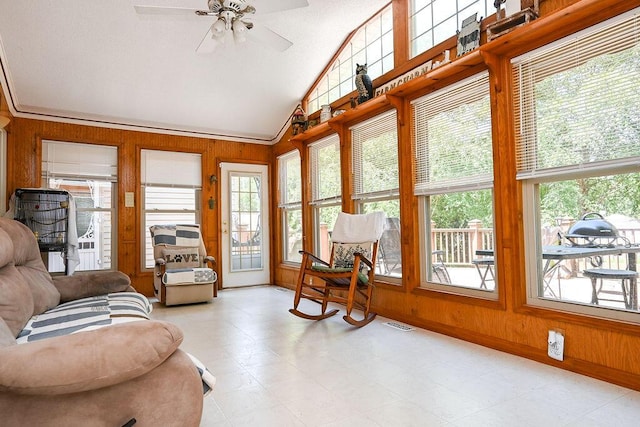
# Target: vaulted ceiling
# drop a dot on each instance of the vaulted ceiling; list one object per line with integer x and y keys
{"x": 102, "y": 63}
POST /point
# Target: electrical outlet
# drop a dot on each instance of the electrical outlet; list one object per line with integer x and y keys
{"x": 556, "y": 345}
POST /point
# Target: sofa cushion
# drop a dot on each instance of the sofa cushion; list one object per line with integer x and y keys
{"x": 16, "y": 301}
{"x": 88, "y": 360}
{"x": 6, "y": 336}
{"x": 87, "y": 284}
{"x": 6, "y": 249}
{"x": 27, "y": 259}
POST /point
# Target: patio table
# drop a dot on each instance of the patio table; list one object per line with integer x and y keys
{"x": 553, "y": 255}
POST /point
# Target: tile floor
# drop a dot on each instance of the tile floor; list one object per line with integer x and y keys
{"x": 275, "y": 369}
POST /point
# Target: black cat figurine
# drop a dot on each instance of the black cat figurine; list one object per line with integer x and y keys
{"x": 363, "y": 84}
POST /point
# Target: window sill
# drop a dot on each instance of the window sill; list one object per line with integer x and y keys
{"x": 453, "y": 296}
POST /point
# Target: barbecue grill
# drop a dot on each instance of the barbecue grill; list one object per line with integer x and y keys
{"x": 592, "y": 231}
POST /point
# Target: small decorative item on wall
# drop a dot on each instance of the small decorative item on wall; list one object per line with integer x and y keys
{"x": 515, "y": 14}
{"x": 469, "y": 35}
{"x": 338, "y": 112}
{"x": 363, "y": 84}
{"x": 325, "y": 112}
{"x": 299, "y": 121}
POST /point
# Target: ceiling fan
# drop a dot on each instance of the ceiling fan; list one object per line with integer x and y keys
{"x": 231, "y": 18}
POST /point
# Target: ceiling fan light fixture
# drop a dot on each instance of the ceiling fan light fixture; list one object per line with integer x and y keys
{"x": 218, "y": 29}
{"x": 239, "y": 31}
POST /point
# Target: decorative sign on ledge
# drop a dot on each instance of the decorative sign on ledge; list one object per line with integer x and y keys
{"x": 416, "y": 72}
{"x": 402, "y": 86}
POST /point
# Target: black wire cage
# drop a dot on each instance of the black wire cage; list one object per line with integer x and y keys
{"x": 46, "y": 213}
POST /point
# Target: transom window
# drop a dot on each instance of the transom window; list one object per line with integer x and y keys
{"x": 434, "y": 21}
{"x": 372, "y": 44}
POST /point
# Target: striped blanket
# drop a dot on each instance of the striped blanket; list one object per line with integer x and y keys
{"x": 95, "y": 312}
{"x": 176, "y": 235}
{"x": 85, "y": 314}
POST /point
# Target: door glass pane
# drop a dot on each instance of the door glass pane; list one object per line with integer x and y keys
{"x": 246, "y": 236}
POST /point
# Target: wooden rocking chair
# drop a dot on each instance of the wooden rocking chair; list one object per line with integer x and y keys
{"x": 348, "y": 277}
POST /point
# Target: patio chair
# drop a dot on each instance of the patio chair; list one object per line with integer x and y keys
{"x": 389, "y": 252}
{"x": 348, "y": 277}
{"x": 628, "y": 280}
{"x": 183, "y": 273}
{"x": 439, "y": 268}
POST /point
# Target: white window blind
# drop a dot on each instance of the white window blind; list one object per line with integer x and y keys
{"x": 290, "y": 180}
{"x": 576, "y": 101}
{"x": 171, "y": 169}
{"x": 325, "y": 171}
{"x": 375, "y": 157}
{"x": 73, "y": 160}
{"x": 452, "y": 135}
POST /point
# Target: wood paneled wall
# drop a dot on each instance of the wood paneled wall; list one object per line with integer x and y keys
{"x": 603, "y": 349}
{"x": 24, "y": 170}
{"x": 599, "y": 348}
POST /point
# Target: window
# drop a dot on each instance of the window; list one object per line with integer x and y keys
{"x": 376, "y": 184}
{"x": 454, "y": 180}
{"x": 89, "y": 173}
{"x": 578, "y": 152}
{"x": 434, "y": 21}
{"x": 291, "y": 206}
{"x": 171, "y": 188}
{"x": 326, "y": 190}
{"x": 372, "y": 44}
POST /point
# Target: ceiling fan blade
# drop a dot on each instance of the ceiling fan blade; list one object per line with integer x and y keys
{"x": 159, "y": 10}
{"x": 267, "y": 37}
{"x": 271, "y": 6}
{"x": 208, "y": 44}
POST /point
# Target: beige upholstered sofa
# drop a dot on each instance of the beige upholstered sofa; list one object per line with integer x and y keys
{"x": 81, "y": 349}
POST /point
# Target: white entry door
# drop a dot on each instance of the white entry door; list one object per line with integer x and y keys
{"x": 245, "y": 224}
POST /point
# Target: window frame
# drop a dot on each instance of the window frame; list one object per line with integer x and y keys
{"x": 361, "y": 134}
{"x": 319, "y": 201}
{"x": 427, "y": 184}
{"x": 100, "y": 172}
{"x": 532, "y": 175}
{"x": 287, "y": 206}
{"x": 185, "y": 182}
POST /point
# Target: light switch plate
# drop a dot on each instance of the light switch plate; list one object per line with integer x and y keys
{"x": 129, "y": 199}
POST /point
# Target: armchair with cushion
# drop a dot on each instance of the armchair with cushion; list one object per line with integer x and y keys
{"x": 82, "y": 350}
{"x": 183, "y": 272}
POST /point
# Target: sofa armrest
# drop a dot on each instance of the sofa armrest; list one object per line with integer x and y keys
{"x": 210, "y": 261}
{"x": 83, "y": 285}
{"x": 87, "y": 360}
